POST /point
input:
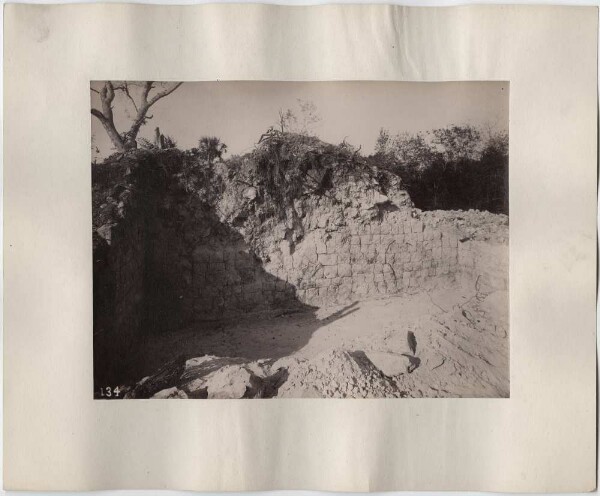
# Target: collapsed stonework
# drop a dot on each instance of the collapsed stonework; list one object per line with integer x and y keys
{"x": 174, "y": 246}
{"x": 367, "y": 240}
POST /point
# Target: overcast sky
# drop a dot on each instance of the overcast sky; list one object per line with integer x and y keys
{"x": 239, "y": 112}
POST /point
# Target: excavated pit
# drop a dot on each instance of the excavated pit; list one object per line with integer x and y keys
{"x": 209, "y": 297}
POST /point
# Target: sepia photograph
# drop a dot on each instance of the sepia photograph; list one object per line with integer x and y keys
{"x": 274, "y": 239}
{"x": 352, "y": 247}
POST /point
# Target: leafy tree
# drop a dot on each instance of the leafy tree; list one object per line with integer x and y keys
{"x": 458, "y": 142}
{"x": 449, "y": 168}
{"x": 384, "y": 140}
{"x": 414, "y": 153}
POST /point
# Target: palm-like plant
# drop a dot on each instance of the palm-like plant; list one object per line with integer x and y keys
{"x": 211, "y": 148}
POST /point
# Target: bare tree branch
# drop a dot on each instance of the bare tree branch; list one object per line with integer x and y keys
{"x": 125, "y": 89}
{"x": 110, "y": 129}
{"x": 107, "y": 95}
{"x": 164, "y": 93}
{"x": 98, "y": 114}
{"x": 147, "y": 87}
{"x": 127, "y": 140}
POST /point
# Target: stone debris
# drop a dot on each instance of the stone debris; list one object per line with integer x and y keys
{"x": 231, "y": 381}
{"x": 462, "y": 352}
{"x": 390, "y": 364}
{"x": 170, "y": 393}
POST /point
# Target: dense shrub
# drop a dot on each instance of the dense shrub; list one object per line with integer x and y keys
{"x": 286, "y": 166}
{"x": 454, "y": 168}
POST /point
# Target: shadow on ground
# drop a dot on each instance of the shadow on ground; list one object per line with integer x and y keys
{"x": 169, "y": 271}
{"x": 255, "y": 337}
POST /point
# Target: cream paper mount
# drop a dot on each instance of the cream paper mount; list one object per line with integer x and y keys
{"x": 542, "y": 438}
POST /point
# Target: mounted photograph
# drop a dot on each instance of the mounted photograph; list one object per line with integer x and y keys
{"x": 264, "y": 239}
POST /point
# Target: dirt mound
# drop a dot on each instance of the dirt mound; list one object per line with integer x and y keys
{"x": 333, "y": 374}
{"x": 337, "y": 374}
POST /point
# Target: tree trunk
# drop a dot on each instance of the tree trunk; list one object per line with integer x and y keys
{"x": 127, "y": 141}
{"x": 131, "y": 144}
{"x": 110, "y": 129}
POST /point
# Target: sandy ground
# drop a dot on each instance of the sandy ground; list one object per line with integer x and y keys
{"x": 356, "y": 350}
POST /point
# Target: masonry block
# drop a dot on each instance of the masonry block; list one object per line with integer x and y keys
{"x": 344, "y": 270}
{"x": 343, "y": 258}
{"x": 330, "y": 271}
{"x": 320, "y": 247}
{"x": 327, "y": 259}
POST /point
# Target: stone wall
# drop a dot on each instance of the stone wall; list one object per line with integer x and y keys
{"x": 172, "y": 258}
{"x": 368, "y": 259}
{"x": 118, "y": 280}
{"x": 207, "y": 272}
{"x": 167, "y": 255}
{"x": 162, "y": 257}
{"x": 119, "y": 291}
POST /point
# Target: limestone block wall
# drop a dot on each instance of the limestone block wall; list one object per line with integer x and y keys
{"x": 368, "y": 259}
{"x": 129, "y": 261}
{"x": 167, "y": 262}
{"x": 172, "y": 258}
{"x": 229, "y": 281}
{"x": 118, "y": 285}
{"x": 119, "y": 279}
{"x": 198, "y": 269}
{"x": 215, "y": 273}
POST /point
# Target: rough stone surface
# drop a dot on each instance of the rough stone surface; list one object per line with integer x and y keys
{"x": 229, "y": 382}
{"x": 170, "y": 393}
{"x": 166, "y": 255}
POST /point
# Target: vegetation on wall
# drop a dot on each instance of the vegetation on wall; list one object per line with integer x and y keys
{"x": 451, "y": 168}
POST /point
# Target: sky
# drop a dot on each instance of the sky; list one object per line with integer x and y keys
{"x": 239, "y": 112}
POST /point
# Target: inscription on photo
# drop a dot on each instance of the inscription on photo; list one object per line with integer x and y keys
{"x": 109, "y": 392}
